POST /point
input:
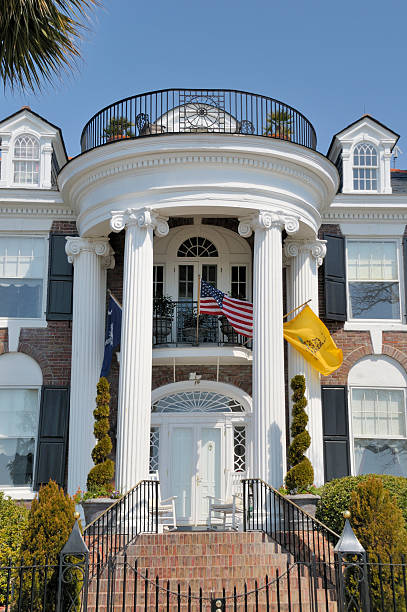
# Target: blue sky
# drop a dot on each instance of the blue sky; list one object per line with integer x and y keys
{"x": 331, "y": 60}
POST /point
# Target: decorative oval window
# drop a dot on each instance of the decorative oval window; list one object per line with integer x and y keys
{"x": 197, "y": 246}
{"x": 197, "y": 401}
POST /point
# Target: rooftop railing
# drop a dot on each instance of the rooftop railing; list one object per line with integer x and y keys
{"x": 179, "y": 111}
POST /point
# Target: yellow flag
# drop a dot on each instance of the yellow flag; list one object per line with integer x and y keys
{"x": 312, "y": 339}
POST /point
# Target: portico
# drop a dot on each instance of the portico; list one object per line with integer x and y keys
{"x": 275, "y": 190}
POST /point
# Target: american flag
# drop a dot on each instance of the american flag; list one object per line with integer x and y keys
{"x": 238, "y": 312}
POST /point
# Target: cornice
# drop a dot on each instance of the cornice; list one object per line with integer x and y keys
{"x": 364, "y": 215}
{"x": 42, "y": 212}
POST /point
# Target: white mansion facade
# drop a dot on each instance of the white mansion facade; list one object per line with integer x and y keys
{"x": 171, "y": 186}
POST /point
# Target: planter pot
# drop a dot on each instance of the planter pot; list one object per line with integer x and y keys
{"x": 228, "y": 331}
{"x": 93, "y": 508}
{"x": 189, "y": 334}
{"x": 161, "y": 328}
{"x": 307, "y": 502}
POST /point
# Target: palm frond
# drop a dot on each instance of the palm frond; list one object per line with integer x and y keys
{"x": 40, "y": 38}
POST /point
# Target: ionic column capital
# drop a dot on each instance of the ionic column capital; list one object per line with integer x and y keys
{"x": 144, "y": 218}
{"x": 316, "y": 248}
{"x": 264, "y": 220}
{"x": 99, "y": 246}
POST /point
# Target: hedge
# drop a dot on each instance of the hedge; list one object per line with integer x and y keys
{"x": 336, "y": 497}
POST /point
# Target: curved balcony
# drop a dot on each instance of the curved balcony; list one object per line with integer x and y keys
{"x": 179, "y": 111}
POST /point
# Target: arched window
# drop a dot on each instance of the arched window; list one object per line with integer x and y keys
{"x": 365, "y": 167}
{"x": 27, "y": 160}
{"x": 197, "y": 401}
{"x": 377, "y": 389}
{"x": 197, "y": 246}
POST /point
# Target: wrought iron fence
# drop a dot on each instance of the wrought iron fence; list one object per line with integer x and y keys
{"x": 179, "y": 327}
{"x": 134, "y": 513}
{"x": 371, "y": 585}
{"x": 175, "y": 111}
{"x": 267, "y": 510}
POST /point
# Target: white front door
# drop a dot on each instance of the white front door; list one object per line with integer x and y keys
{"x": 196, "y": 469}
{"x": 209, "y": 469}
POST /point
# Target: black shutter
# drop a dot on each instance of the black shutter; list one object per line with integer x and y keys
{"x": 405, "y": 272}
{"x": 336, "y": 432}
{"x": 60, "y": 280}
{"x": 52, "y": 436}
{"x": 335, "y": 278}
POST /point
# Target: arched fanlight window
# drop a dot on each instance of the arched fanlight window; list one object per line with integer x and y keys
{"x": 197, "y": 401}
{"x": 26, "y": 160}
{"x": 197, "y": 246}
{"x": 365, "y": 167}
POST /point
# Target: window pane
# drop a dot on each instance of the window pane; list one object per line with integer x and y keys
{"x": 372, "y": 260}
{"x": 16, "y": 461}
{"x": 185, "y": 282}
{"x": 154, "y": 449}
{"x": 21, "y": 257}
{"x": 158, "y": 281}
{"x": 381, "y": 457}
{"x": 238, "y": 284}
{"x": 21, "y": 298}
{"x": 378, "y": 412}
{"x": 26, "y": 172}
{"x": 18, "y": 412}
{"x": 209, "y": 274}
{"x": 374, "y": 300}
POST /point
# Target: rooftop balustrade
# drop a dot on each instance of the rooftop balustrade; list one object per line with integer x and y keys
{"x": 212, "y": 111}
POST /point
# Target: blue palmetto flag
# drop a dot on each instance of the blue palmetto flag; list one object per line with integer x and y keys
{"x": 113, "y": 333}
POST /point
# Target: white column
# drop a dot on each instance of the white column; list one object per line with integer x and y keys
{"x": 91, "y": 257}
{"x": 304, "y": 258}
{"x": 269, "y": 435}
{"x": 134, "y": 417}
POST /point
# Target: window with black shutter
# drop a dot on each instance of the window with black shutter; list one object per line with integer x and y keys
{"x": 336, "y": 431}
{"x": 335, "y": 278}
{"x": 60, "y": 281}
{"x": 52, "y": 436}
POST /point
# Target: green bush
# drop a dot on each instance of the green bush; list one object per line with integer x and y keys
{"x": 300, "y": 476}
{"x": 13, "y": 520}
{"x": 49, "y": 524}
{"x": 336, "y": 497}
{"x": 101, "y": 475}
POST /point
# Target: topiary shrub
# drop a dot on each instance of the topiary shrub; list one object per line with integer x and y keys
{"x": 380, "y": 527}
{"x": 336, "y": 497}
{"x": 49, "y": 524}
{"x": 13, "y": 521}
{"x": 101, "y": 475}
{"x": 300, "y": 476}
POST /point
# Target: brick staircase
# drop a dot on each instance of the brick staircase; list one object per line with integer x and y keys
{"x": 216, "y": 562}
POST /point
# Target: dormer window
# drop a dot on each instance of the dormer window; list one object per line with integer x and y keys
{"x": 365, "y": 168}
{"x": 26, "y": 160}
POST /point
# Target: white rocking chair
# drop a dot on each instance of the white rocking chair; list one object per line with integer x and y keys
{"x": 232, "y": 505}
{"x": 166, "y": 508}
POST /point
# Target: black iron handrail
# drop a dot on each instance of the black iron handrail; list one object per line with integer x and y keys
{"x": 134, "y": 513}
{"x": 177, "y": 326}
{"x": 175, "y": 111}
{"x": 267, "y": 510}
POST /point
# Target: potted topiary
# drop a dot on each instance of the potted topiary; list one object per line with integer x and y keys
{"x": 300, "y": 477}
{"x": 279, "y": 125}
{"x": 117, "y": 128}
{"x": 100, "y": 495}
{"x": 163, "y": 314}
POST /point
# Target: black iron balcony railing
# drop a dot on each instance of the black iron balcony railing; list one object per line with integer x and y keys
{"x": 176, "y": 325}
{"x": 176, "y": 111}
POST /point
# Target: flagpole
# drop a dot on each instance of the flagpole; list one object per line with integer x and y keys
{"x": 297, "y": 308}
{"x": 199, "y": 303}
